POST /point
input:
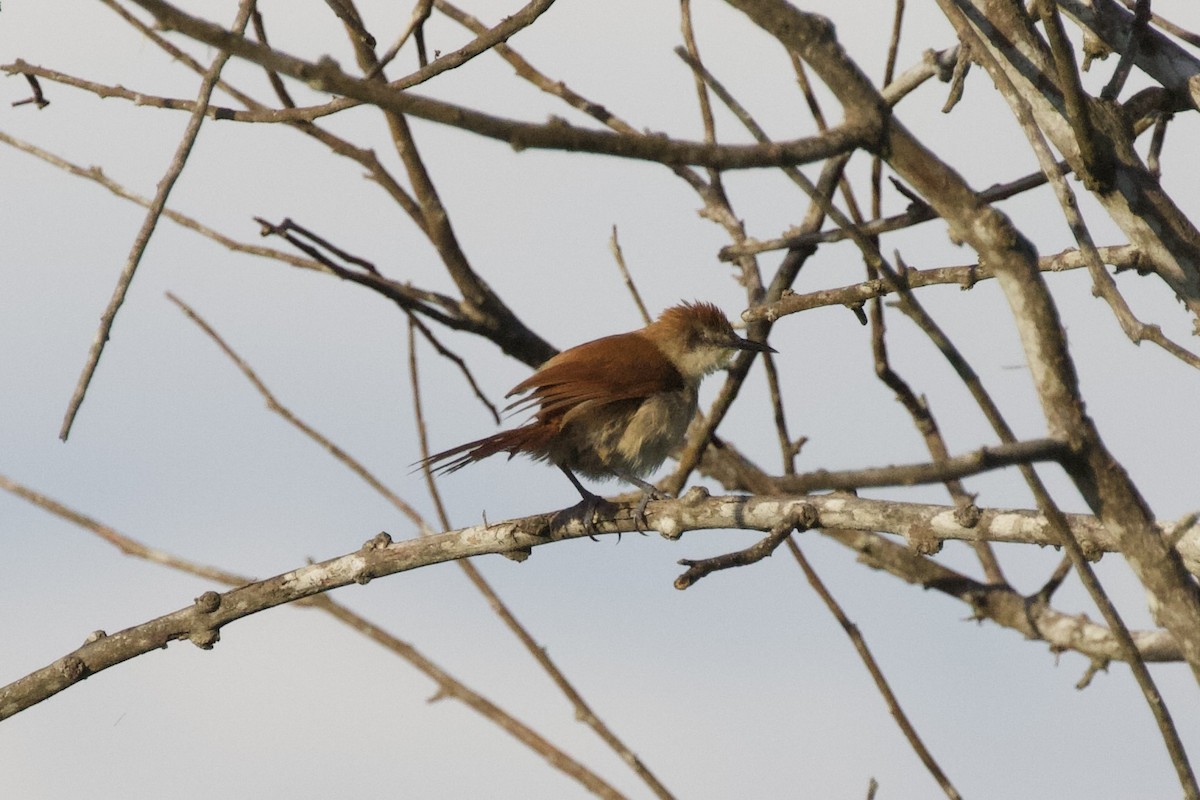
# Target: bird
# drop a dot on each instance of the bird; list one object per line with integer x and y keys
{"x": 614, "y": 407}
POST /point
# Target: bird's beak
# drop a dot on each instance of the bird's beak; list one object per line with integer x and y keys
{"x": 757, "y": 347}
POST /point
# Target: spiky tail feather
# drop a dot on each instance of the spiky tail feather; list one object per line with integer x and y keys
{"x": 528, "y": 439}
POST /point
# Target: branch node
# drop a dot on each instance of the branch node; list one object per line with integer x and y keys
{"x": 1091, "y": 551}
{"x": 380, "y": 541}
{"x": 857, "y": 309}
{"x": 73, "y": 668}
{"x": 518, "y": 554}
{"x": 968, "y": 514}
{"x": 1180, "y": 529}
{"x": 923, "y": 541}
{"x": 94, "y": 637}
{"x": 804, "y": 517}
{"x": 1097, "y": 665}
{"x": 208, "y": 602}
{"x": 205, "y": 639}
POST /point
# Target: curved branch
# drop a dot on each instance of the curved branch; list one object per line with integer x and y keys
{"x": 201, "y": 621}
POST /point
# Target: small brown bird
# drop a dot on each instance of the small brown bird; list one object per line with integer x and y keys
{"x": 616, "y": 406}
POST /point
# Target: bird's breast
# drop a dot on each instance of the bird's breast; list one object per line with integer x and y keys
{"x": 633, "y": 436}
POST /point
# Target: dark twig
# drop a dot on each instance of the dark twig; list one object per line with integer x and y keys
{"x": 285, "y": 229}
{"x": 37, "y": 98}
{"x": 958, "y": 80}
{"x": 458, "y": 361}
{"x": 889, "y": 71}
{"x": 926, "y": 424}
{"x": 1141, "y": 18}
{"x": 416, "y": 23}
{"x": 277, "y": 85}
{"x": 1095, "y": 154}
{"x": 915, "y": 215}
{"x": 487, "y": 40}
{"x": 798, "y": 518}
{"x": 1168, "y": 26}
{"x": 1156, "y": 144}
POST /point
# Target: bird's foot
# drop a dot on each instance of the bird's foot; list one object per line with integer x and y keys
{"x": 640, "y": 523}
{"x": 585, "y": 511}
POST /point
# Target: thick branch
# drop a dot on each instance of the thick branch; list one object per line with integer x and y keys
{"x": 201, "y": 621}
{"x": 1135, "y": 200}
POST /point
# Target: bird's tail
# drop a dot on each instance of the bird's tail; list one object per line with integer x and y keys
{"x": 528, "y": 439}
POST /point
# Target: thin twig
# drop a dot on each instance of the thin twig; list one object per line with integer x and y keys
{"x": 275, "y": 406}
{"x": 583, "y": 711}
{"x": 416, "y": 22}
{"x": 151, "y": 221}
{"x": 797, "y": 518}
{"x": 37, "y": 98}
{"x": 916, "y": 214}
{"x": 1097, "y": 158}
{"x": 926, "y": 424}
{"x": 486, "y": 41}
{"x": 1156, "y": 145}
{"x": 1009, "y": 454}
{"x": 458, "y": 361}
{"x": 277, "y": 85}
{"x": 889, "y": 70}
{"x": 864, "y": 652}
{"x": 1168, "y": 26}
{"x": 615, "y": 246}
{"x": 96, "y": 175}
{"x": 1123, "y": 257}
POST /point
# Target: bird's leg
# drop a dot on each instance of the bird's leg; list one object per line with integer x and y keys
{"x": 649, "y": 492}
{"x": 585, "y": 509}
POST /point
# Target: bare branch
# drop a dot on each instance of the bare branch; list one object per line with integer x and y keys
{"x": 796, "y": 519}
{"x": 151, "y": 221}
{"x": 1122, "y": 256}
{"x": 502, "y": 32}
{"x": 864, "y": 652}
{"x": 325, "y": 75}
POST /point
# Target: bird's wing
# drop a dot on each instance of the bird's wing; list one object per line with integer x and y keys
{"x": 626, "y": 366}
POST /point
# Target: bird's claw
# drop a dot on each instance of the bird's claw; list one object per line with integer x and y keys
{"x": 640, "y": 523}
{"x": 585, "y": 511}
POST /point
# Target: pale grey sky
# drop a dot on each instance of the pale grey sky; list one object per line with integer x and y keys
{"x": 742, "y": 686}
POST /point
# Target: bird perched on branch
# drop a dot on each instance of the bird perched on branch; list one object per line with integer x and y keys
{"x": 616, "y": 406}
